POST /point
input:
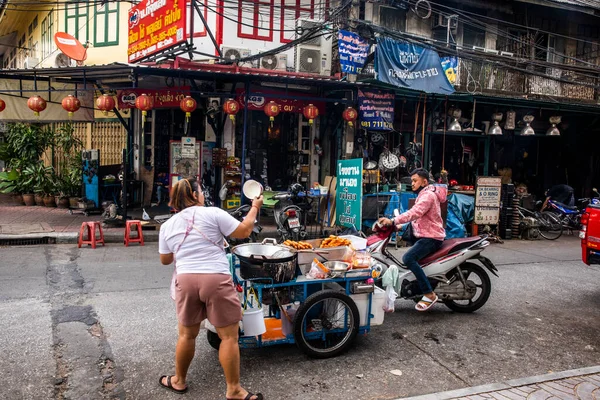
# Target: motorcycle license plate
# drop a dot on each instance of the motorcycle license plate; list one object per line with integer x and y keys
{"x": 294, "y": 223}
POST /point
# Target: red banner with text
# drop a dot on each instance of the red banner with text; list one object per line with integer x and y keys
{"x": 163, "y": 98}
{"x": 260, "y": 98}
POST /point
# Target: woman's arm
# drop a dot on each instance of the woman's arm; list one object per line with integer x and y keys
{"x": 244, "y": 229}
{"x": 166, "y": 259}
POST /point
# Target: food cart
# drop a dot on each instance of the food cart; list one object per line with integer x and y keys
{"x": 284, "y": 303}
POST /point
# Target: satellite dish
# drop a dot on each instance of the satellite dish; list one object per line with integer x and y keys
{"x": 62, "y": 60}
{"x": 70, "y": 46}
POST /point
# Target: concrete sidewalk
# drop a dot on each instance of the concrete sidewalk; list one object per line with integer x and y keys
{"x": 583, "y": 383}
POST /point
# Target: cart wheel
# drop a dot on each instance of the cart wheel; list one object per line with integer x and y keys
{"x": 326, "y": 324}
{"x": 213, "y": 339}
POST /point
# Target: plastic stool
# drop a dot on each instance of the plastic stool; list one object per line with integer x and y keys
{"x": 139, "y": 238}
{"x": 90, "y": 226}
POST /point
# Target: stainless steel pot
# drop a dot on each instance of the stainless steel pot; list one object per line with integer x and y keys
{"x": 266, "y": 260}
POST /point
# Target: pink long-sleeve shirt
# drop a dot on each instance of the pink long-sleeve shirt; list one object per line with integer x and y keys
{"x": 426, "y": 215}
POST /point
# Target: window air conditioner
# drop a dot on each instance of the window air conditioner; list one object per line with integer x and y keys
{"x": 441, "y": 21}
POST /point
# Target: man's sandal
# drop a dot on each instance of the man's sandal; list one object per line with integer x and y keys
{"x": 425, "y": 303}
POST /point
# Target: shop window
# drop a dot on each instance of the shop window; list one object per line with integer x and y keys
{"x": 76, "y": 20}
{"x": 44, "y": 33}
{"x": 106, "y": 24}
{"x": 473, "y": 36}
{"x": 291, "y": 10}
{"x": 199, "y": 28}
{"x": 586, "y": 49}
{"x": 256, "y": 19}
{"x": 392, "y": 18}
{"x": 47, "y": 35}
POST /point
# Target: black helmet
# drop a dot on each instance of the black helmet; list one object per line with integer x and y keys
{"x": 296, "y": 188}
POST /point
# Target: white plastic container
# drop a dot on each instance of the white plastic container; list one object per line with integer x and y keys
{"x": 358, "y": 242}
{"x": 362, "y": 302}
{"x": 254, "y": 322}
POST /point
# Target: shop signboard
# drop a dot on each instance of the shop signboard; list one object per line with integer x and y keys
{"x": 349, "y": 193}
{"x": 155, "y": 26}
{"x": 376, "y": 109}
{"x": 487, "y": 200}
{"x": 353, "y": 51}
{"x": 188, "y": 147}
{"x": 408, "y": 66}
{"x": 293, "y": 102}
{"x": 163, "y": 97}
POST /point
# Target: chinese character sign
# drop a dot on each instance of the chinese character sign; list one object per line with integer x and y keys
{"x": 349, "y": 193}
{"x": 154, "y": 26}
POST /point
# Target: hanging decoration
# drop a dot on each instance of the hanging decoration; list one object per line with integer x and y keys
{"x": 496, "y": 130}
{"x": 310, "y": 112}
{"x": 144, "y": 103}
{"x": 272, "y": 110}
{"x": 105, "y": 103}
{"x": 350, "y": 115}
{"x": 188, "y": 105}
{"x": 36, "y": 104}
{"x": 527, "y": 129}
{"x": 71, "y": 104}
{"x": 231, "y": 107}
{"x": 2, "y": 105}
{"x": 455, "y": 125}
{"x": 553, "y": 130}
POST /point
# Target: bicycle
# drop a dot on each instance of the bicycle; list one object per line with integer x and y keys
{"x": 546, "y": 224}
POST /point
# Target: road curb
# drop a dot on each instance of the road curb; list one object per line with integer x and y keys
{"x": 510, "y": 384}
{"x": 71, "y": 237}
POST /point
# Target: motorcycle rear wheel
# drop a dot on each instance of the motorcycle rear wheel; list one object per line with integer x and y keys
{"x": 484, "y": 288}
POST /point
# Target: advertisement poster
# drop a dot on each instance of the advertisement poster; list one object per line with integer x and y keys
{"x": 155, "y": 26}
{"x": 376, "y": 109}
{"x": 353, "y": 52}
{"x": 450, "y": 67}
{"x": 163, "y": 98}
{"x": 408, "y": 66}
{"x": 349, "y": 193}
{"x": 487, "y": 200}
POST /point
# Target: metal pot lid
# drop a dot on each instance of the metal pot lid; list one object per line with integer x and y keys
{"x": 259, "y": 250}
{"x": 371, "y": 165}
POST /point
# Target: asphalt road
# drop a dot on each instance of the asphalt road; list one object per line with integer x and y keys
{"x": 93, "y": 324}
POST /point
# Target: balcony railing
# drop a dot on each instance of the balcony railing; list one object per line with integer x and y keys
{"x": 483, "y": 77}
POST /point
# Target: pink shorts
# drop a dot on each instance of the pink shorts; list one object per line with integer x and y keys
{"x": 212, "y": 296}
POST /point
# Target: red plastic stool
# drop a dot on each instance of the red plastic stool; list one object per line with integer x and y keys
{"x": 90, "y": 226}
{"x": 139, "y": 238}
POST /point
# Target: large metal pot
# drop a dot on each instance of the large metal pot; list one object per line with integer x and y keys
{"x": 267, "y": 260}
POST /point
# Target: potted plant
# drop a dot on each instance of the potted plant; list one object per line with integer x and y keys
{"x": 38, "y": 177}
{"x": 62, "y": 198}
{"x": 50, "y": 187}
{"x": 10, "y": 184}
{"x": 71, "y": 171}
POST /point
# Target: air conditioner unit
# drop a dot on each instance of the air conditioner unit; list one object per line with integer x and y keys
{"x": 491, "y": 51}
{"x": 30, "y": 62}
{"x": 441, "y": 21}
{"x": 313, "y": 56}
{"x": 234, "y": 54}
{"x": 276, "y": 62}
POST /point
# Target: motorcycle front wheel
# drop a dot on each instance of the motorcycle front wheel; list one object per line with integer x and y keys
{"x": 476, "y": 277}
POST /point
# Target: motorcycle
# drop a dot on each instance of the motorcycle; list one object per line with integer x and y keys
{"x": 569, "y": 216}
{"x": 291, "y": 219}
{"x": 207, "y": 197}
{"x": 240, "y": 214}
{"x": 460, "y": 283}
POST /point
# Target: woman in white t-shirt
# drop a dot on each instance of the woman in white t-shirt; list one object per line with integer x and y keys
{"x": 204, "y": 286}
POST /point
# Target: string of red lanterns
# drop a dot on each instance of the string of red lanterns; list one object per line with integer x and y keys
{"x": 350, "y": 115}
{"x": 2, "y": 105}
{"x": 310, "y": 112}
{"x": 144, "y": 103}
{"x": 231, "y": 107}
{"x": 36, "y": 104}
{"x": 71, "y": 104}
{"x": 272, "y": 110}
{"x": 188, "y": 105}
{"x": 105, "y": 103}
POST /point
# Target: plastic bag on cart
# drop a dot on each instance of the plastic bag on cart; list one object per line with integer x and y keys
{"x": 316, "y": 272}
{"x": 390, "y": 298}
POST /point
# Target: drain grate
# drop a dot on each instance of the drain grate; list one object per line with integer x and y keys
{"x": 27, "y": 242}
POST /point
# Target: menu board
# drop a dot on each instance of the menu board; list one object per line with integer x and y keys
{"x": 349, "y": 193}
{"x": 181, "y": 165}
{"x": 487, "y": 200}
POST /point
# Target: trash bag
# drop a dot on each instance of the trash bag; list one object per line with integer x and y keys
{"x": 390, "y": 298}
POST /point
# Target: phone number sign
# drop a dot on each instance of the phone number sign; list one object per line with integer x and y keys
{"x": 155, "y": 26}
{"x": 487, "y": 200}
{"x": 376, "y": 109}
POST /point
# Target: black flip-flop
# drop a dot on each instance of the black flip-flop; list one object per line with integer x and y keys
{"x": 259, "y": 396}
{"x": 170, "y": 386}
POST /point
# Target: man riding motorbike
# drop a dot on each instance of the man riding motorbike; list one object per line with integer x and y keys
{"x": 562, "y": 193}
{"x": 427, "y": 227}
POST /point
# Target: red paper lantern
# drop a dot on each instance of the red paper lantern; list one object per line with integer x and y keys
{"x": 36, "y": 104}
{"x": 105, "y": 103}
{"x": 144, "y": 103}
{"x": 188, "y": 104}
{"x": 350, "y": 115}
{"x": 231, "y": 107}
{"x": 310, "y": 112}
{"x": 2, "y": 105}
{"x": 272, "y": 110}
{"x": 71, "y": 104}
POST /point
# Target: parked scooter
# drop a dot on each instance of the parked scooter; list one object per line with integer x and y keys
{"x": 460, "y": 283}
{"x": 570, "y": 217}
{"x": 240, "y": 213}
{"x": 291, "y": 219}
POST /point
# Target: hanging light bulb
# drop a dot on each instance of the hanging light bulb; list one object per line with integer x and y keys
{"x": 553, "y": 130}
{"x": 455, "y": 125}
{"x": 496, "y": 130}
{"x": 527, "y": 129}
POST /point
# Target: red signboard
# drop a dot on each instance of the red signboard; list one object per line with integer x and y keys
{"x": 259, "y": 99}
{"x": 163, "y": 98}
{"x": 154, "y": 26}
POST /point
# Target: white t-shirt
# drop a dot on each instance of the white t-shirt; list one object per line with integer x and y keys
{"x": 198, "y": 255}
